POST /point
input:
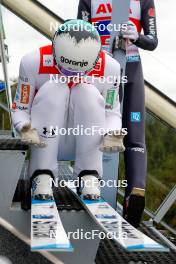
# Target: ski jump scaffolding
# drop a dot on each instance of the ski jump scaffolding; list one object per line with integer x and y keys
{"x": 13, "y": 152}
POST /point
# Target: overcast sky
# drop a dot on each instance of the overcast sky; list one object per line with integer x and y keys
{"x": 159, "y": 66}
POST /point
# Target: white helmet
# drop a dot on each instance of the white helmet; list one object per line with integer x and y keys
{"x": 76, "y": 47}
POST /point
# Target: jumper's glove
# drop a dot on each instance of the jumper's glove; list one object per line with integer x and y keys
{"x": 112, "y": 142}
{"x": 131, "y": 32}
{"x": 30, "y": 136}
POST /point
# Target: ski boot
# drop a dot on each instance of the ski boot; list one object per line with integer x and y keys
{"x": 89, "y": 185}
{"x": 42, "y": 185}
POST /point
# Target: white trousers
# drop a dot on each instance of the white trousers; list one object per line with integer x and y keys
{"x": 57, "y": 106}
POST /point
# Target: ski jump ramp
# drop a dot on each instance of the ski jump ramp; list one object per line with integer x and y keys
{"x": 18, "y": 221}
{"x": 73, "y": 215}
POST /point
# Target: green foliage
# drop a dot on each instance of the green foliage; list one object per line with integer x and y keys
{"x": 4, "y": 116}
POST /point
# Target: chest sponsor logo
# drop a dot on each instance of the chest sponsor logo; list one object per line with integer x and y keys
{"x": 25, "y": 92}
{"x": 104, "y": 8}
{"x": 48, "y": 61}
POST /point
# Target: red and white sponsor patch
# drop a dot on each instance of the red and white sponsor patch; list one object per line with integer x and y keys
{"x": 151, "y": 12}
{"x": 14, "y": 106}
{"x": 48, "y": 60}
{"x": 104, "y": 8}
{"x": 99, "y": 68}
{"x": 47, "y": 63}
{"x": 25, "y": 92}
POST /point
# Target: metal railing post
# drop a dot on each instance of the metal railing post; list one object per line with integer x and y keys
{"x": 5, "y": 72}
{"x": 165, "y": 205}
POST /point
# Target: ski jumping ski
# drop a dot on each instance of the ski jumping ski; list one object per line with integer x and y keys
{"x": 117, "y": 228}
{"x": 47, "y": 231}
{"x": 117, "y": 44}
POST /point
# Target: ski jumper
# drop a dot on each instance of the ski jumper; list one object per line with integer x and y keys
{"x": 52, "y": 105}
{"x": 142, "y": 14}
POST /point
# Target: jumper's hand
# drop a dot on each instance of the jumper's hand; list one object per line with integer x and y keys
{"x": 112, "y": 143}
{"x": 30, "y": 136}
{"x": 131, "y": 32}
